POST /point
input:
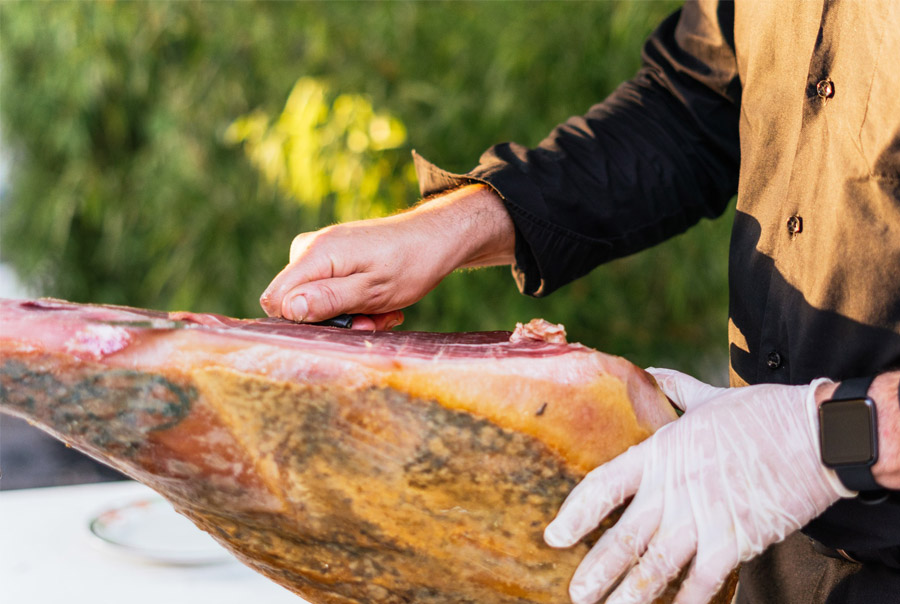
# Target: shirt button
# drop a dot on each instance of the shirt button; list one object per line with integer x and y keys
{"x": 825, "y": 89}
{"x": 795, "y": 225}
{"x": 773, "y": 360}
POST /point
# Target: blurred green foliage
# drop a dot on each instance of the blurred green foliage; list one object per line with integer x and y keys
{"x": 331, "y": 156}
{"x": 143, "y": 137}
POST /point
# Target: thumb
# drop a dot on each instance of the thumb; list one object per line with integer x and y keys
{"x": 685, "y": 391}
{"x": 325, "y": 298}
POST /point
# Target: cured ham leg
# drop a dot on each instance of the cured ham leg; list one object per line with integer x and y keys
{"x": 350, "y": 467}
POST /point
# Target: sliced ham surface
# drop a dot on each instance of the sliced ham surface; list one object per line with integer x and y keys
{"x": 347, "y": 466}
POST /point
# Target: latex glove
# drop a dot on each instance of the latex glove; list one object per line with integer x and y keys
{"x": 686, "y": 392}
{"x": 738, "y": 472}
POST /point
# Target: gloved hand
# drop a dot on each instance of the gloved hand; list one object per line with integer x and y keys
{"x": 738, "y": 472}
{"x": 688, "y": 393}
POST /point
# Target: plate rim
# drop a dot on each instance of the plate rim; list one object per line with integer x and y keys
{"x": 169, "y": 557}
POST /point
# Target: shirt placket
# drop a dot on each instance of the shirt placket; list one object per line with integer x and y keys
{"x": 786, "y": 226}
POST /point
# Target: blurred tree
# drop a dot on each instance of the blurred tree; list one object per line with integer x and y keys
{"x": 332, "y": 157}
{"x": 120, "y": 120}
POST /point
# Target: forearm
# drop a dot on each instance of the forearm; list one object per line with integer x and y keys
{"x": 473, "y": 221}
{"x": 652, "y": 159}
{"x": 884, "y": 392}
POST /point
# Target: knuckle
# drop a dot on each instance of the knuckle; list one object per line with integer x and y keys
{"x": 299, "y": 245}
{"x": 304, "y": 238}
{"x": 330, "y": 300}
{"x": 380, "y": 294}
{"x": 658, "y": 563}
{"x": 377, "y": 297}
{"x": 628, "y": 542}
{"x": 328, "y": 234}
{"x": 315, "y": 239}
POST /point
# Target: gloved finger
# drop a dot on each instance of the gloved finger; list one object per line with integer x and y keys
{"x": 661, "y": 563}
{"x": 703, "y": 580}
{"x": 599, "y": 493}
{"x": 685, "y": 391}
{"x": 616, "y": 551}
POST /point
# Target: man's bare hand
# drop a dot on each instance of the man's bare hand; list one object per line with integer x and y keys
{"x": 378, "y": 267}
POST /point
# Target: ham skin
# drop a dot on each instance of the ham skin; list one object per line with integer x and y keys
{"x": 348, "y": 466}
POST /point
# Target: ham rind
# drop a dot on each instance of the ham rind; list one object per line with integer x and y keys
{"x": 347, "y": 466}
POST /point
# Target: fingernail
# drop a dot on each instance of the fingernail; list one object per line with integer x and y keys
{"x": 299, "y": 308}
{"x": 392, "y": 324}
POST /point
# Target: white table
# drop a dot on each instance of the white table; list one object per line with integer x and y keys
{"x": 48, "y": 555}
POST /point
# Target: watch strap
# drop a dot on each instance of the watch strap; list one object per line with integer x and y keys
{"x": 857, "y": 478}
{"x": 853, "y": 388}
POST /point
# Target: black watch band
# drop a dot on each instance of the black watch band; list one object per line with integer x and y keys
{"x": 857, "y": 477}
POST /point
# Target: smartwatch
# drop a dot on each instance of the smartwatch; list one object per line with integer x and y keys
{"x": 848, "y": 436}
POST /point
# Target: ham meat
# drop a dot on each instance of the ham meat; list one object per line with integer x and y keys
{"x": 347, "y": 466}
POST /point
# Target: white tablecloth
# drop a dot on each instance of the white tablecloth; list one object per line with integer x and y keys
{"x": 47, "y": 555}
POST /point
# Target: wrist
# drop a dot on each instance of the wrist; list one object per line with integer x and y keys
{"x": 474, "y": 223}
{"x": 820, "y": 391}
{"x": 884, "y": 392}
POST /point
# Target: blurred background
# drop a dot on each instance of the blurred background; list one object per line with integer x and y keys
{"x": 164, "y": 154}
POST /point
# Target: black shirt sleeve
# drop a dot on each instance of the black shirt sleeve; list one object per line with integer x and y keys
{"x": 657, "y": 155}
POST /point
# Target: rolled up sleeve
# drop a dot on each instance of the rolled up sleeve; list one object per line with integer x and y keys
{"x": 660, "y": 153}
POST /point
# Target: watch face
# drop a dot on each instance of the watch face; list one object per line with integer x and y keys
{"x": 847, "y": 430}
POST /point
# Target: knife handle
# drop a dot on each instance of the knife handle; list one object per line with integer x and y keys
{"x": 342, "y": 321}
